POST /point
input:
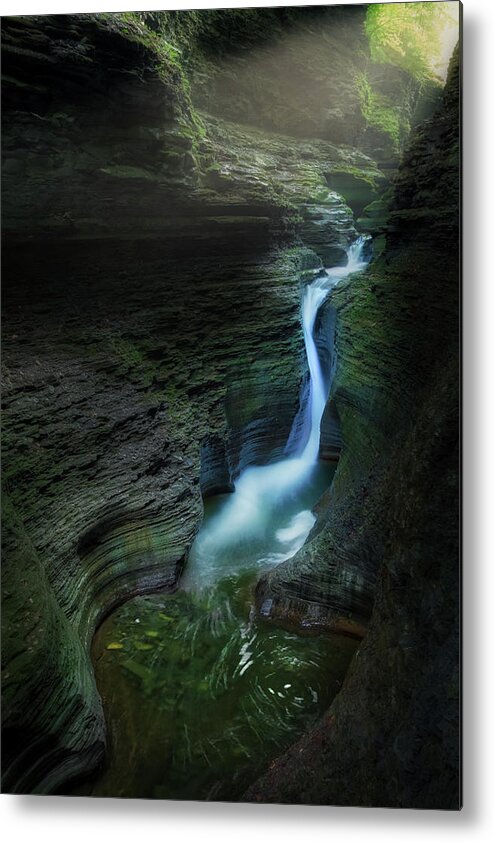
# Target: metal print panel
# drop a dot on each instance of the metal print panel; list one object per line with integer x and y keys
{"x": 230, "y": 404}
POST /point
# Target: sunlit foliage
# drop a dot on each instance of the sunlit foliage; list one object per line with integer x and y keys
{"x": 378, "y": 112}
{"x": 418, "y": 37}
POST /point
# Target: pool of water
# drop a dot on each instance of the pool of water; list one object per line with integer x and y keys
{"x": 199, "y": 695}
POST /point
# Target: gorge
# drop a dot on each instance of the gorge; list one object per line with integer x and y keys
{"x": 173, "y": 186}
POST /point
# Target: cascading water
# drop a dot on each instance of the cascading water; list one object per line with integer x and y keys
{"x": 314, "y": 295}
{"x": 209, "y": 695}
{"x": 266, "y": 495}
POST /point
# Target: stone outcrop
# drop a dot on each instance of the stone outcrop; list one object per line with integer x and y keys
{"x": 134, "y": 205}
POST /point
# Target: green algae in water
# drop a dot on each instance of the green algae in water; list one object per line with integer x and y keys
{"x": 201, "y": 707}
{"x": 199, "y": 696}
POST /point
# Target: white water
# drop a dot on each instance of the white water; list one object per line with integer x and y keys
{"x": 263, "y": 492}
{"x": 314, "y": 295}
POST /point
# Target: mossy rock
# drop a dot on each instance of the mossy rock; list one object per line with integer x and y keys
{"x": 357, "y": 189}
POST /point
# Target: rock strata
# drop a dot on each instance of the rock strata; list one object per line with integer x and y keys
{"x": 391, "y": 737}
{"x": 156, "y": 241}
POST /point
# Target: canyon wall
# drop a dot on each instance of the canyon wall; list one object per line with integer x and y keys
{"x": 391, "y": 737}
{"x": 159, "y": 218}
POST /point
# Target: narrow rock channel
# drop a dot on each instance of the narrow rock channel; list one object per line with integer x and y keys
{"x": 158, "y": 660}
{"x": 167, "y": 217}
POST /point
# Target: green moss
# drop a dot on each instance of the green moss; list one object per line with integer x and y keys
{"x": 379, "y": 113}
{"x": 411, "y": 36}
{"x": 168, "y": 61}
{"x": 132, "y": 26}
{"x": 360, "y": 173}
{"x": 127, "y": 352}
{"x": 135, "y": 365}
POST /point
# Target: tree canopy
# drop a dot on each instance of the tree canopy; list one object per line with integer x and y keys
{"x": 419, "y": 37}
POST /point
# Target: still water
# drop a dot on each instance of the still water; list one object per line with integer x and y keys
{"x": 199, "y": 698}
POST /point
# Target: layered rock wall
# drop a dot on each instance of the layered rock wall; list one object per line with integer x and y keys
{"x": 154, "y": 252}
{"x": 391, "y": 737}
{"x": 127, "y": 389}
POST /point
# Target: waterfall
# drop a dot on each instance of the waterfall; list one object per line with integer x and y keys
{"x": 314, "y": 295}
{"x": 262, "y": 490}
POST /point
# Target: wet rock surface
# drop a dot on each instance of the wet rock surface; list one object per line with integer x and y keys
{"x": 155, "y": 246}
{"x": 103, "y": 428}
{"x": 391, "y": 737}
{"x": 120, "y": 370}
